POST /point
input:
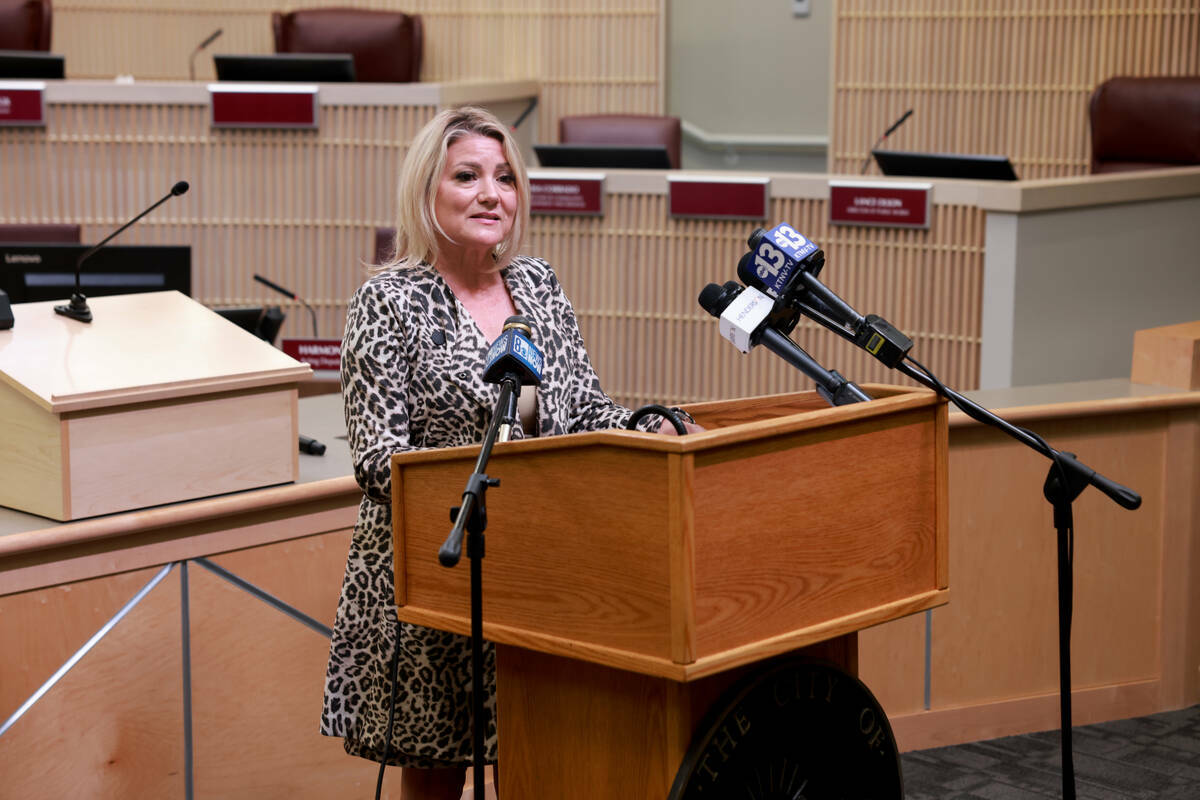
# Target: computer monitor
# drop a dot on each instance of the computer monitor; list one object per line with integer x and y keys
{"x": 611, "y": 156}
{"x": 263, "y": 321}
{"x": 286, "y": 67}
{"x": 31, "y": 65}
{"x": 42, "y": 271}
{"x": 945, "y": 165}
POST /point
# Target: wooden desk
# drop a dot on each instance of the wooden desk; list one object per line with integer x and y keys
{"x": 257, "y": 675}
{"x": 113, "y": 726}
{"x": 986, "y": 665}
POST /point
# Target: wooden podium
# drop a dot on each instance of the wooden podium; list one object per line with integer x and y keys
{"x": 158, "y": 400}
{"x": 629, "y": 577}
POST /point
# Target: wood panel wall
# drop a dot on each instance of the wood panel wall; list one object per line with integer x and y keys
{"x": 651, "y": 341}
{"x": 994, "y": 76}
{"x": 589, "y": 55}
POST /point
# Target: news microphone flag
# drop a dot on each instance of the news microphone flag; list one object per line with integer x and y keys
{"x": 513, "y": 352}
{"x": 780, "y": 255}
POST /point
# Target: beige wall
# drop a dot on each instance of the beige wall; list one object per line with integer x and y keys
{"x": 738, "y": 70}
{"x": 749, "y": 67}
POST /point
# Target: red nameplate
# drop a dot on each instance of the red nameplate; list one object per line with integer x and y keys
{"x": 895, "y": 205}
{"x": 22, "y": 103}
{"x": 263, "y": 106}
{"x": 552, "y": 194}
{"x": 718, "y": 198}
{"x": 320, "y": 354}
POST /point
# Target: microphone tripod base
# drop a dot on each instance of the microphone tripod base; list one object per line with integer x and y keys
{"x": 78, "y": 309}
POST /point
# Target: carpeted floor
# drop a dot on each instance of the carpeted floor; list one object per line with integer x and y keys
{"x": 1155, "y": 757}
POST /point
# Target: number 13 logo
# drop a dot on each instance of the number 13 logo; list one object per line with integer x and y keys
{"x": 786, "y": 236}
{"x": 768, "y": 260}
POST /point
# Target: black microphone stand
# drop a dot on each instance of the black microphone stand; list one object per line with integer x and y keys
{"x": 472, "y": 515}
{"x": 78, "y": 308}
{"x": 837, "y": 390}
{"x": 1066, "y": 479}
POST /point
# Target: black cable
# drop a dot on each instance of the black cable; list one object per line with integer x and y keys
{"x": 672, "y": 414}
{"x": 387, "y": 742}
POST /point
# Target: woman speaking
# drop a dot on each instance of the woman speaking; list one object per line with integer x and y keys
{"x": 417, "y": 334}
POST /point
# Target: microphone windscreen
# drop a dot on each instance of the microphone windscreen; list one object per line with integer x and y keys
{"x": 179, "y": 188}
{"x": 520, "y": 323}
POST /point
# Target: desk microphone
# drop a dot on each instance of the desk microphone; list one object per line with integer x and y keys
{"x": 78, "y": 309}
{"x": 887, "y": 133}
{"x": 292, "y": 295}
{"x": 212, "y": 37}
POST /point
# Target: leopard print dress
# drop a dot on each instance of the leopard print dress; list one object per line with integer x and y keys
{"x": 412, "y": 360}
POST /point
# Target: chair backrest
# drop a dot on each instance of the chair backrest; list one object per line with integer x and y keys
{"x": 50, "y": 232}
{"x": 385, "y": 45}
{"x": 24, "y": 24}
{"x": 385, "y": 244}
{"x": 626, "y": 129}
{"x": 1145, "y": 123}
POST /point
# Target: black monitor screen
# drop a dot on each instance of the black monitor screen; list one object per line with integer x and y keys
{"x": 31, "y": 64}
{"x": 944, "y": 165}
{"x": 264, "y": 322}
{"x": 611, "y": 156}
{"x": 33, "y": 273}
{"x": 286, "y": 67}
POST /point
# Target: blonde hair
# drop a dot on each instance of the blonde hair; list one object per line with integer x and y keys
{"x": 417, "y": 228}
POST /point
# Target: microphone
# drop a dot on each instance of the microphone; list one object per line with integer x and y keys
{"x": 293, "y": 296}
{"x": 212, "y": 37}
{"x": 745, "y": 319}
{"x": 887, "y": 133}
{"x": 512, "y": 361}
{"x": 78, "y": 308}
{"x": 528, "y": 110}
{"x": 515, "y": 358}
{"x": 784, "y": 264}
{"x": 311, "y": 446}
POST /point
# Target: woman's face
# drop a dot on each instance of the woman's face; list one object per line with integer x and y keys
{"x": 476, "y": 196}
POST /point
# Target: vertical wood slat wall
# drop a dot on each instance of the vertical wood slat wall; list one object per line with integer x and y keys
{"x": 635, "y": 274}
{"x": 299, "y": 208}
{"x": 996, "y": 76}
{"x": 590, "y": 56}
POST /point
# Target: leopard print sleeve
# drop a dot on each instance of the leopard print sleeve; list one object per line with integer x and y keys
{"x": 375, "y": 374}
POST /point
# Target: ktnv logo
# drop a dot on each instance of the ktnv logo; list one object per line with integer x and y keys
{"x": 778, "y": 254}
{"x": 513, "y": 350}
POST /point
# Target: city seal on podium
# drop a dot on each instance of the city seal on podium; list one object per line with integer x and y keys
{"x": 797, "y": 730}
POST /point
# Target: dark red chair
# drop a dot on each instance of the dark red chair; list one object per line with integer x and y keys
{"x": 49, "y": 232}
{"x": 624, "y": 129}
{"x": 385, "y": 45}
{"x": 1145, "y": 123}
{"x": 24, "y": 24}
{"x": 385, "y": 245}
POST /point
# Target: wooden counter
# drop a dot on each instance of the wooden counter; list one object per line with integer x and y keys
{"x": 984, "y": 665}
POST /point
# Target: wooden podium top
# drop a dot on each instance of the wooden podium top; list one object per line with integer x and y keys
{"x": 139, "y": 347}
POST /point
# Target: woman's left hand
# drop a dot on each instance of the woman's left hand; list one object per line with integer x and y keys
{"x": 668, "y": 429}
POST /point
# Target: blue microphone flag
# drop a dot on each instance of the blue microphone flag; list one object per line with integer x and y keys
{"x": 779, "y": 256}
{"x": 513, "y": 352}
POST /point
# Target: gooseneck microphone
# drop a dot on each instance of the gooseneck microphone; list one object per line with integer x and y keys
{"x": 292, "y": 295}
{"x": 212, "y": 37}
{"x": 745, "y": 314}
{"x": 78, "y": 308}
{"x": 887, "y": 133}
